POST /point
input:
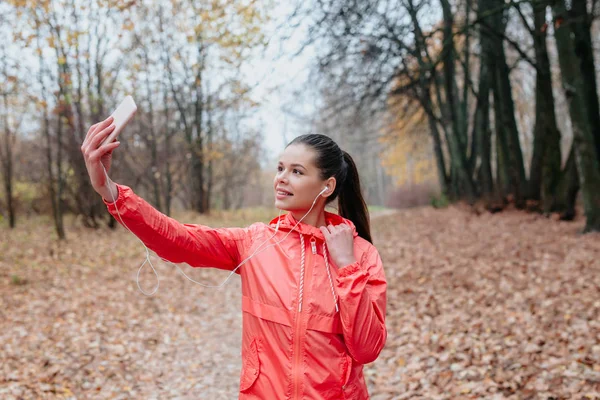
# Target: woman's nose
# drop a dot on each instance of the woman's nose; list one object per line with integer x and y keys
{"x": 281, "y": 177}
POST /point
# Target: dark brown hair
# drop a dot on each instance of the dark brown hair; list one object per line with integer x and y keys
{"x": 335, "y": 162}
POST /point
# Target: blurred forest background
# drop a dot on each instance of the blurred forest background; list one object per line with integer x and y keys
{"x": 484, "y": 113}
{"x": 486, "y": 101}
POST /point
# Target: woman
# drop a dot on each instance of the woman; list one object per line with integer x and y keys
{"x": 314, "y": 293}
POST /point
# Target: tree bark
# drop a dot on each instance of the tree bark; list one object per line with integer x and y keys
{"x": 507, "y": 131}
{"x": 545, "y": 170}
{"x": 53, "y": 192}
{"x": 461, "y": 184}
{"x": 198, "y": 153}
{"x": 568, "y": 186}
{"x": 585, "y": 152}
{"x": 6, "y": 154}
{"x": 209, "y": 169}
{"x": 449, "y": 72}
{"x": 168, "y": 132}
{"x": 152, "y": 142}
{"x": 502, "y": 162}
{"x": 437, "y": 149}
{"x": 581, "y": 23}
{"x": 480, "y": 160}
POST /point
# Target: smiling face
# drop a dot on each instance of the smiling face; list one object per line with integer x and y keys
{"x": 298, "y": 180}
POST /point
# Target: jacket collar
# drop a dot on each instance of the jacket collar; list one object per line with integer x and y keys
{"x": 287, "y": 222}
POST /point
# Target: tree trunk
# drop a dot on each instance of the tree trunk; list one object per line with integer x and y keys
{"x": 58, "y": 220}
{"x": 585, "y": 152}
{"x": 66, "y": 142}
{"x": 198, "y": 157}
{"x": 449, "y": 73}
{"x": 437, "y": 150}
{"x": 507, "y": 132}
{"x": 168, "y": 131}
{"x": 480, "y": 160}
{"x": 168, "y": 176}
{"x": 197, "y": 145}
{"x": 545, "y": 170}
{"x": 209, "y": 170}
{"x": 88, "y": 202}
{"x": 567, "y": 188}
{"x": 7, "y": 175}
{"x": 502, "y": 162}
{"x": 152, "y": 142}
{"x": 52, "y": 187}
{"x": 461, "y": 184}
{"x": 580, "y": 23}
{"x": 226, "y": 193}
{"x": 6, "y": 155}
{"x": 467, "y": 74}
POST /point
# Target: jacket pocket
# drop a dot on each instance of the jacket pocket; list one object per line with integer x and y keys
{"x": 250, "y": 365}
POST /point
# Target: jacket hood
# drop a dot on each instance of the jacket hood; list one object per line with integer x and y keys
{"x": 287, "y": 222}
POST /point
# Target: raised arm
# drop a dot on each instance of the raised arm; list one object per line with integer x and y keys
{"x": 196, "y": 245}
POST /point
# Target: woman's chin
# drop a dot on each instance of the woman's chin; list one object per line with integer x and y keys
{"x": 289, "y": 208}
{"x": 284, "y": 205}
{"x": 280, "y": 205}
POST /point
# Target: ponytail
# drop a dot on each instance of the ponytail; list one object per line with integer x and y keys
{"x": 351, "y": 203}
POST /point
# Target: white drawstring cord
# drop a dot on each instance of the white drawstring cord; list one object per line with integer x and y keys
{"x": 329, "y": 275}
{"x": 301, "y": 291}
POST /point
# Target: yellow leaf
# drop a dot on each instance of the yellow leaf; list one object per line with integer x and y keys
{"x": 128, "y": 25}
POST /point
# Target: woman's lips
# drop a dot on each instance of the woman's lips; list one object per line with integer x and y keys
{"x": 280, "y": 194}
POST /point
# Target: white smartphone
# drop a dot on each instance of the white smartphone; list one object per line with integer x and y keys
{"x": 122, "y": 115}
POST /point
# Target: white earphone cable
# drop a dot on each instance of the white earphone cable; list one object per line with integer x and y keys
{"x": 147, "y": 260}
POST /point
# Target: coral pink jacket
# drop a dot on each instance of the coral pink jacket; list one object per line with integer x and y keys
{"x": 295, "y": 345}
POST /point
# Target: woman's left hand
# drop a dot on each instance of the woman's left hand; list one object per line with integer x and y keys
{"x": 340, "y": 243}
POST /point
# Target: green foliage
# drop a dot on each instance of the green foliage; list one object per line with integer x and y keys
{"x": 23, "y": 192}
{"x": 377, "y": 208}
{"x": 17, "y": 280}
{"x": 440, "y": 201}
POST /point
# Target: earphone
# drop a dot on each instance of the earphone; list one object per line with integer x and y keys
{"x": 326, "y": 188}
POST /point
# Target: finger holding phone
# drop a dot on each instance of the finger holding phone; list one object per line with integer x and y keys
{"x": 99, "y": 144}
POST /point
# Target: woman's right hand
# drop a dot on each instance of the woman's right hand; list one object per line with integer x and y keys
{"x": 98, "y": 158}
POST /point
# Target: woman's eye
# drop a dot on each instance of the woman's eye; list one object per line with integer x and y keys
{"x": 295, "y": 171}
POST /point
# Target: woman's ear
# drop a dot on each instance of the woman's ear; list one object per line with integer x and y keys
{"x": 330, "y": 183}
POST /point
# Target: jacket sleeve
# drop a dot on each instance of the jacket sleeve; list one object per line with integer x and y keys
{"x": 361, "y": 288}
{"x": 196, "y": 245}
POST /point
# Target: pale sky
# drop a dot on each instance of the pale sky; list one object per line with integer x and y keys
{"x": 279, "y": 75}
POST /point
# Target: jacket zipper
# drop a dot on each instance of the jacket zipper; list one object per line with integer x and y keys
{"x": 299, "y": 319}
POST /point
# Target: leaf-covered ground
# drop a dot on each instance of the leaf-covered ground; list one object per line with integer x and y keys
{"x": 502, "y": 306}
